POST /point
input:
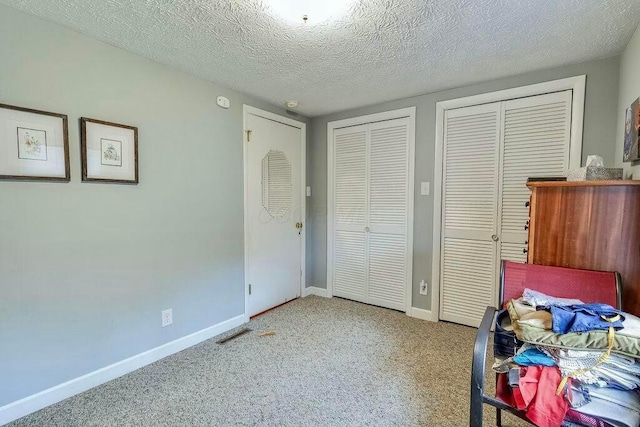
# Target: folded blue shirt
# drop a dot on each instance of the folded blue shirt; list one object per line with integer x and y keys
{"x": 533, "y": 357}
{"x": 584, "y": 317}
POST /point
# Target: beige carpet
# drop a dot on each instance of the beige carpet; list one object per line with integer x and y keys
{"x": 332, "y": 362}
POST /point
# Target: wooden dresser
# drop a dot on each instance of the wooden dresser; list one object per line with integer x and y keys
{"x": 593, "y": 225}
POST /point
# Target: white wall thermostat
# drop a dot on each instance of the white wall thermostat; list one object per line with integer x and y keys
{"x": 223, "y": 102}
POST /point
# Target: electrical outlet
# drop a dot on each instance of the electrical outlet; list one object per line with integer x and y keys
{"x": 423, "y": 288}
{"x": 167, "y": 317}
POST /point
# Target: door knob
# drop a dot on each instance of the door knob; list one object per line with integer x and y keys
{"x": 495, "y": 238}
{"x": 367, "y": 229}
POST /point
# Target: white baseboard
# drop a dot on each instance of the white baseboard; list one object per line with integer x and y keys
{"x": 55, "y": 394}
{"x": 314, "y": 290}
{"x": 420, "y": 313}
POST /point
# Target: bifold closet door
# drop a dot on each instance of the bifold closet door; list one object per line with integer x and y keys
{"x": 470, "y": 200}
{"x": 489, "y": 152}
{"x": 350, "y": 212}
{"x": 536, "y": 143}
{"x": 371, "y": 254}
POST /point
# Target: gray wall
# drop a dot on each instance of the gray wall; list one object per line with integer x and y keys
{"x": 599, "y": 133}
{"x": 85, "y": 269}
{"x": 629, "y": 92}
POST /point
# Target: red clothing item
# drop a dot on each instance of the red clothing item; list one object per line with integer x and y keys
{"x": 536, "y": 393}
{"x": 503, "y": 390}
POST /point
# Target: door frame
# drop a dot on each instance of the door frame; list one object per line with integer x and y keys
{"x": 577, "y": 84}
{"x": 409, "y": 113}
{"x": 246, "y": 110}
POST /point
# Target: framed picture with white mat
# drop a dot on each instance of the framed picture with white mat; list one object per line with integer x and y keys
{"x": 109, "y": 152}
{"x": 34, "y": 144}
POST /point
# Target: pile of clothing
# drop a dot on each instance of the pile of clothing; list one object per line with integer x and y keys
{"x": 566, "y": 363}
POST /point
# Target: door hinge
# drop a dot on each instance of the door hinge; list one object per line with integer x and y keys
{"x": 249, "y": 136}
{"x": 249, "y": 288}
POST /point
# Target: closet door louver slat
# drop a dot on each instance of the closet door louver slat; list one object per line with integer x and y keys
{"x": 470, "y": 186}
{"x": 387, "y": 270}
{"x": 350, "y": 265}
{"x": 351, "y": 176}
{"x": 512, "y": 252}
{"x": 389, "y": 163}
{"x": 468, "y": 281}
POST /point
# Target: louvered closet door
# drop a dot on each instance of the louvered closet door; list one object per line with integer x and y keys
{"x": 388, "y": 213}
{"x": 536, "y": 137}
{"x": 470, "y": 201}
{"x": 350, "y": 212}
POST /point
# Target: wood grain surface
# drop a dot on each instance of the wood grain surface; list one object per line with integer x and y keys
{"x": 593, "y": 227}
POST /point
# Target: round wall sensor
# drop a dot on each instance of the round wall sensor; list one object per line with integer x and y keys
{"x": 223, "y": 102}
{"x": 291, "y": 104}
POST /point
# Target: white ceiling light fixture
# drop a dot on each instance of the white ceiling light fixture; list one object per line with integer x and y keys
{"x": 308, "y": 12}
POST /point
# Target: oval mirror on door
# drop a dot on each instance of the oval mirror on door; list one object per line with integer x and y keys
{"x": 276, "y": 183}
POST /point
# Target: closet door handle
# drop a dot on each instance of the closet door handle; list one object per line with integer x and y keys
{"x": 367, "y": 229}
{"x": 495, "y": 238}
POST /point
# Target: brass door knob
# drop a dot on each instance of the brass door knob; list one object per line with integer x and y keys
{"x": 495, "y": 238}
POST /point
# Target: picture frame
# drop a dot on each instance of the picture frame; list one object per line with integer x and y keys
{"x": 631, "y": 144}
{"x": 109, "y": 151}
{"x": 34, "y": 145}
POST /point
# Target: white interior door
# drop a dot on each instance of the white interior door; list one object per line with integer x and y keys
{"x": 274, "y": 212}
{"x": 469, "y": 217}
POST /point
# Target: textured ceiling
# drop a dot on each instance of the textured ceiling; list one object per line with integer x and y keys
{"x": 381, "y": 50}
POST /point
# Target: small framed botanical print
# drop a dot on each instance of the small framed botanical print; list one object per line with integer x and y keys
{"x": 109, "y": 151}
{"x": 34, "y": 144}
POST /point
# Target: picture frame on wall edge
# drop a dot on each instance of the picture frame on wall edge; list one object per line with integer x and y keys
{"x": 34, "y": 145}
{"x": 109, "y": 152}
{"x": 631, "y": 151}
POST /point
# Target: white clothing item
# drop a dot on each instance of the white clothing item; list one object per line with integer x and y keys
{"x": 618, "y": 408}
{"x": 535, "y": 299}
{"x": 617, "y": 369}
